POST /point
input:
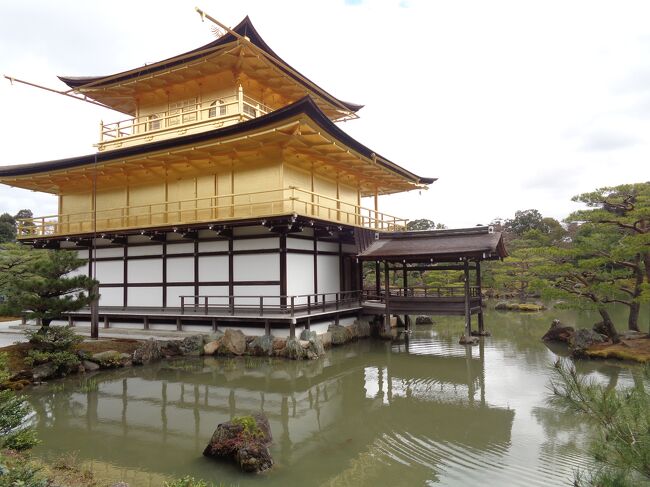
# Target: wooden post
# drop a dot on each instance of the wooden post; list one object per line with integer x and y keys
{"x": 468, "y": 313}
{"x": 378, "y": 279}
{"x": 481, "y": 325}
{"x": 94, "y": 314}
{"x": 179, "y": 324}
{"x": 387, "y": 291}
{"x": 215, "y": 326}
{"x": 405, "y": 282}
{"x": 106, "y": 322}
{"x": 292, "y": 328}
{"x": 267, "y": 327}
{"x": 146, "y": 322}
{"x": 70, "y": 321}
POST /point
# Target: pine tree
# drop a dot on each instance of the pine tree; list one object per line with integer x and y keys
{"x": 50, "y": 291}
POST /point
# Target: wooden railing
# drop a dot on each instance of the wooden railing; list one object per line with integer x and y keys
{"x": 421, "y": 292}
{"x": 236, "y": 107}
{"x": 270, "y": 305}
{"x": 215, "y": 208}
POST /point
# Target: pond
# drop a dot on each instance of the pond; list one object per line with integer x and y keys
{"x": 421, "y": 410}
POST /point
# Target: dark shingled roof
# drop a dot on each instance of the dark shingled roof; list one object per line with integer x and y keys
{"x": 244, "y": 28}
{"x": 440, "y": 245}
{"x": 304, "y": 106}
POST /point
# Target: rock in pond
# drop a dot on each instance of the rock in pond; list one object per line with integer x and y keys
{"x": 558, "y": 332}
{"x": 245, "y": 440}
{"x": 89, "y": 366}
{"x": 340, "y": 334}
{"x": 423, "y": 320}
{"x": 582, "y": 339}
{"x": 192, "y": 345}
{"x": 468, "y": 340}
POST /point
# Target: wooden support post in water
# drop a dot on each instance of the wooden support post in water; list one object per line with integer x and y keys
{"x": 106, "y": 322}
{"x": 215, "y": 326}
{"x": 292, "y": 328}
{"x": 267, "y": 327}
{"x": 377, "y": 279}
{"x": 146, "y": 322}
{"x": 179, "y": 324}
{"x": 468, "y": 311}
{"x": 387, "y": 291}
{"x": 308, "y": 324}
{"x": 481, "y": 325}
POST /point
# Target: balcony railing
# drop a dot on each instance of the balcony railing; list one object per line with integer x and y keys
{"x": 224, "y": 110}
{"x": 274, "y": 202}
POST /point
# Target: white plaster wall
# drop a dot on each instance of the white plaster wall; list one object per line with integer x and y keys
{"x": 145, "y": 250}
{"x": 300, "y": 276}
{"x": 82, "y": 254}
{"x": 328, "y": 246}
{"x": 145, "y": 270}
{"x": 181, "y": 248}
{"x": 240, "y": 291}
{"x": 215, "y": 291}
{"x": 256, "y": 243}
{"x": 145, "y": 296}
{"x": 80, "y": 271}
{"x": 260, "y": 267}
{"x": 328, "y": 274}
{"x": 180, "y": 269}
{"x": 213, "y": 268}
{"x": 110, "y": 252}
{"x": 174, "y": 293}
{"x": 217, "y": 246}
{"x": 111, "y": 296}
{"x": 299, "y": 243}
{"x": 110, "y": 272}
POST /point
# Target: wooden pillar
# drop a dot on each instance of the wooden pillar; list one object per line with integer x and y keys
{"x": 481, "y": 325}
{"x": 468, "y": 313}
{"x": 106, "y": 322}
{"x": 292, "y": 329}
{"x": 94, "y": 314}
{"x": 378, "y": 278}
{"x": 215, "y": 325}
{"x": 405, "y": 285}
{"x": 70, "y": 321}
{"x": 179, "y": 324}
{"x": 267, "y": 327}
{"x": 146, "y": 322}
{"x": 387, "y": 294}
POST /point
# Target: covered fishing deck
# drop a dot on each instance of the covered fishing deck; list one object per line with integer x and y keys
{"x": 401, "y": 254}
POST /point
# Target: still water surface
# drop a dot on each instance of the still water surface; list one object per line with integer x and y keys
{"x": 417, "y": 411}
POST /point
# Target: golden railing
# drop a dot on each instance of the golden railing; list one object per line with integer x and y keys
{"x": 215, "y": 208}
{"x": 218, "y": 109}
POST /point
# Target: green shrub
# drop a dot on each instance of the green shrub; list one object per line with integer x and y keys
{"x": 21, "y": 472}
{"x": 249, "y": 426}
{"x": 54, "y": 338}
{"x": 21, "y": 440}
{"x": 65, "y": 361}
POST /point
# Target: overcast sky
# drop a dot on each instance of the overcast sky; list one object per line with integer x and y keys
{"x": 511, "y": 104}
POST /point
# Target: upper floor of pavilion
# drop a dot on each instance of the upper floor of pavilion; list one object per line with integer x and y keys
{"x": 235, "y": 78}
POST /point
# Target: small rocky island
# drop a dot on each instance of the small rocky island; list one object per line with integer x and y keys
{"x": 244, "y": 440}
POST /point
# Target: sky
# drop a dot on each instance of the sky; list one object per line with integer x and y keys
{"x": 512, "y": 105}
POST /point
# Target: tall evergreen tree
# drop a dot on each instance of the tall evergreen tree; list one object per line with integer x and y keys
{"x": 50, "y": 291}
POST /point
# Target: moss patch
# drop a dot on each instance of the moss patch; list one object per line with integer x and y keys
{"x": 633, "y": 350}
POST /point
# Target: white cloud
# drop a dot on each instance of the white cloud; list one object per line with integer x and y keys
{"x": 498, "y": 99}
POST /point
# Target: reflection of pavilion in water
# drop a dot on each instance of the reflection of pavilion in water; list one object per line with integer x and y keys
{"x": 161, "y": 416}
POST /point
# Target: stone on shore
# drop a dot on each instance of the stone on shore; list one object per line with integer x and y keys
{"x": 211, "y": 348}
{"x": 261, "y": 345}
{"x": 558, "y": 332}
{"x": 244, "y": 440}
{"x": 89, "y": 366}
{"x": 234, "y": 341}
{"x": 44, "y": 371}
{"x": 340, "y": 334}
{"x": 326, "y": 339}
{"x": 294, "y": 350}
{"x": 192, "y": 345}
{"x": 149, "y": 351}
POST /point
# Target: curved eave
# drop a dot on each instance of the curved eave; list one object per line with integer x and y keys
{"x": 244, "y": 28}
{"x": 305, "y": 107}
